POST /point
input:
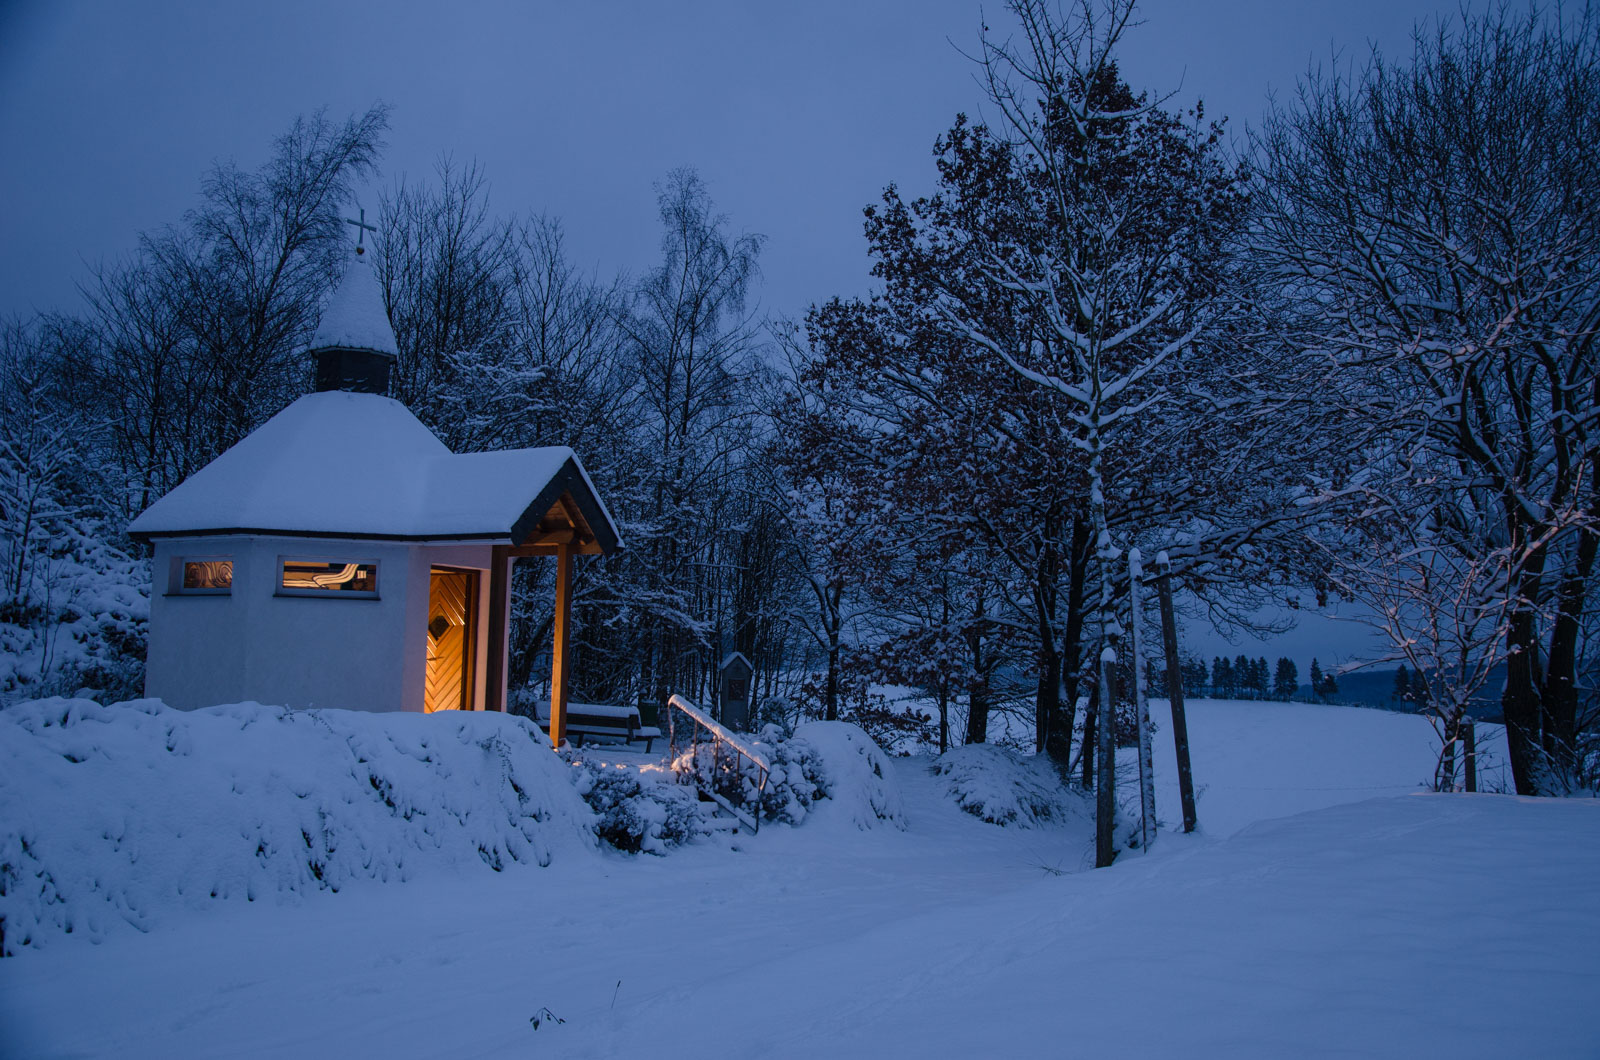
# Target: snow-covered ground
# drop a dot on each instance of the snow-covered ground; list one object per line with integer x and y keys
{"x": 1328, "y": 908}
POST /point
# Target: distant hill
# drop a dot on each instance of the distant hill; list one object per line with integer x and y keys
{"x": 1375, "y": 688}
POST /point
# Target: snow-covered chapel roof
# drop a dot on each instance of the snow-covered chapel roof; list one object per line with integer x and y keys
{"x": 338, "y": 464}
{"x": 355, "y": 318}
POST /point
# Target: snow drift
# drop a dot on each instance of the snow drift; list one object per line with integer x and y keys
{"x": 114, "y": 814}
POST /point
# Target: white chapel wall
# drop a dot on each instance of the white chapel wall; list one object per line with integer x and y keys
{"x": 297, "y": 651}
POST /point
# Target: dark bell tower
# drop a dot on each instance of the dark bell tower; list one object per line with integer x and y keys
{"x": 354, "y": 344}
{"x": 359, "y": 371}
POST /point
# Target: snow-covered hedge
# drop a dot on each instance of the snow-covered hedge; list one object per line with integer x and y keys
{"x": 112, "y": 814}
{"x": 1002, "y": 787}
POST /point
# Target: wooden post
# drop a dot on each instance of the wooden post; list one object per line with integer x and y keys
{"x": 1180, "y": 722}
{"x": 1105, "y": 802}
{"x": 1147, "y": 778}
{"x": 1469, "y": 752}
{"x": 494, "y": 680}
{"x": 558, "y": 648}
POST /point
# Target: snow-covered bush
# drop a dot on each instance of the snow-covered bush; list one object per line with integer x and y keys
{"x": 637, "y": 810}
{"x": 73, "y": 608}
{"x": 795, "y": 781}
{"x": 823, "y": 761}
{"x": 78, "y": 624}
{"x": 1002, "y": 787}
{"x": 851, "y": 771}
{"x": 113, "y": 814}
{"x": 899, "y": 727}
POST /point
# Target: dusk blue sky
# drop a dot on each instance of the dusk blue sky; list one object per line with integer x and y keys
{"x": 795, "y": 114}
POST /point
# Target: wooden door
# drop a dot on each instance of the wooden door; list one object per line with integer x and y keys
{"x": 452, "y": 638}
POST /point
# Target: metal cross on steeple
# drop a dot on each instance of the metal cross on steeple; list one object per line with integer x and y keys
{"x": 362, "y": 228}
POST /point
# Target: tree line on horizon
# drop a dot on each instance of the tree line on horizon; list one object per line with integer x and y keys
{"x": 1352, "y": 354}
{"x": 1245, "y": 678}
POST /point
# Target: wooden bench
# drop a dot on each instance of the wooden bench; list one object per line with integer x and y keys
{"x": 598, "y": 720}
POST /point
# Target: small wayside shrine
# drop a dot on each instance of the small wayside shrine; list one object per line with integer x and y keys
{"x": 342, "y": 556}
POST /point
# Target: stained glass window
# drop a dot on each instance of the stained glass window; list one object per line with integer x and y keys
{"x": 207, "y": 575}
{"x": 301, "y": 575}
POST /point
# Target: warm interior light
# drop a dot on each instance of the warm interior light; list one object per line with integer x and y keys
{"x": 330, "y": 576}
{"x": 336, "y": 577}
{"x": 208, "y": 574}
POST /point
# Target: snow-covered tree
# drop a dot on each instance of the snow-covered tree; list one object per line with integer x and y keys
{"x": 1436, "y": 225}
{"x": 689, "y": 343}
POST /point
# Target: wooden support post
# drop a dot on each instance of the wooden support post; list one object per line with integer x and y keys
{"x": 1105, "y": 803}
{"x": 1469, "y": 752}
{"x": 1180, "y": 721}
{"x": 1147, "y": 777}
{"x": 558, "y": 648}
{"x": 494, "y": 679}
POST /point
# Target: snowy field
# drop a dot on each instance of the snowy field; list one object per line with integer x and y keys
{"x": 1328, "y": 909}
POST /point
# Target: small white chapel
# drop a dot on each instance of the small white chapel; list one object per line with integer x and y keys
{"x": 342, "y": 556}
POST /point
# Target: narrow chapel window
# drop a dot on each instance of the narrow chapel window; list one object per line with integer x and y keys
{"x": 315, "y": 576}
{"x": 207, "y": 576}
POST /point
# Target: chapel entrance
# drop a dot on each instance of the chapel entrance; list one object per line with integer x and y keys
{"x": 452, "y": 639}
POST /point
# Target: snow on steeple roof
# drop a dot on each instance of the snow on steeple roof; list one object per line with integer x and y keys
{"x": 355, "y": 318}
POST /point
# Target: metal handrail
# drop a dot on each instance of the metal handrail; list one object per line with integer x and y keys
{"x": 705, "y": 731}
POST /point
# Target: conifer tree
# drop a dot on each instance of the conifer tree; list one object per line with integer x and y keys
{"x": 1286, "y": 681}
{"x": 1221, "y": 678}
{"x": 1402, "y": 686}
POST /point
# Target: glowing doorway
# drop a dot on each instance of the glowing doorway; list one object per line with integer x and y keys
{"x": 452, "y": 639}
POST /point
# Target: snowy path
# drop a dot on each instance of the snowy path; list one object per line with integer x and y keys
{"x": 1400, "y": 926}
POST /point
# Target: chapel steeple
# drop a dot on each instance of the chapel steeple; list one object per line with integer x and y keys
{"x": 354, "y": 344}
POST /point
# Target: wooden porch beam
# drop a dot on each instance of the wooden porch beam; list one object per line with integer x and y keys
{"x": 581, "y": 548}
{"x": 494, "y": 679}
{"x": 558, "y": 649}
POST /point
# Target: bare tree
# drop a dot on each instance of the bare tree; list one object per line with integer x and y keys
{"x": 198, "y": 334}
{"x": 690, "y": 339}
{"x": 449, "y": 273}
{"x": 1438, "y": 227}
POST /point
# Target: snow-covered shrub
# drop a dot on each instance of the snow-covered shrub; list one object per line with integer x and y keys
{"x": 899, "y": 727}
{"x": 78, "y": 624}
{"x": 823, "y": 761}
{"x": 795, "y": 780}
{"x": 637, "y": 810}
{"x": 73, "y": 608}
{"x": 1127, "y": 730}
{"x": 851, "y": 771}
{"x": 113, "y": 814}
{"x": 1002, "y": 787}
